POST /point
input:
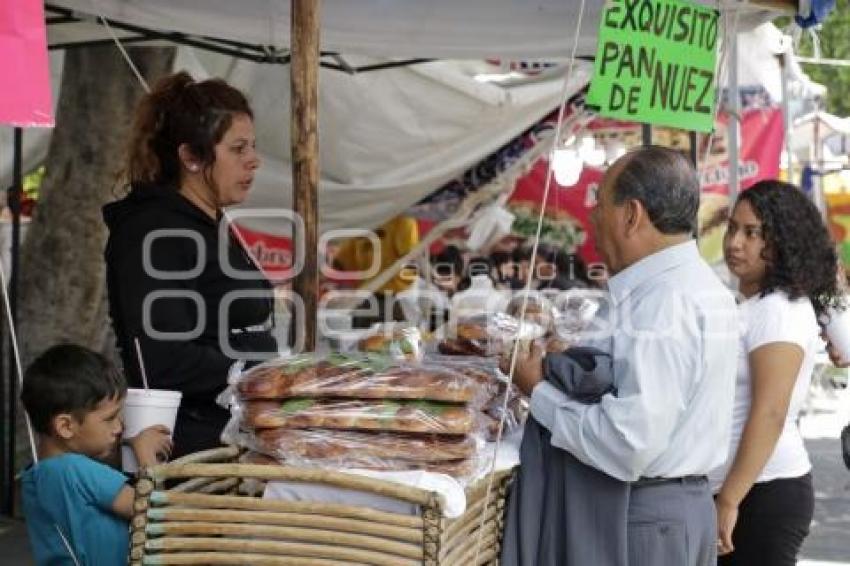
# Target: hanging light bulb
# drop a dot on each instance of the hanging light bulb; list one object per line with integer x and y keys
{"x": 614, "y": 150}
{"x": 567, "y": 166}
{"x": 586, "y": 146}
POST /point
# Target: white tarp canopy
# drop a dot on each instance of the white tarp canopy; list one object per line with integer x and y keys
{"x": 828, "y": 130}
{"x": 387, "y": 138}
{"x": 446, "y": 29}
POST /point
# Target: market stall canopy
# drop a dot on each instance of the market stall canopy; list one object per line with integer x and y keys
{"x": 445, "y": 29}
{"x": 821, "y": 128}
{"x": 387, "y": 138}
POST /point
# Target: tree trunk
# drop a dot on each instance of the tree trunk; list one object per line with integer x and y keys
{"x": 63, "y": 277}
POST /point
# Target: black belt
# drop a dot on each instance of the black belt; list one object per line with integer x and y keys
{"x": 644, "y": 482}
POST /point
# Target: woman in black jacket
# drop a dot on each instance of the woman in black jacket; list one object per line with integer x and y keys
{"x": 178, "y": 281}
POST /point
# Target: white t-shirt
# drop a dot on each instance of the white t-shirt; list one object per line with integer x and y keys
{"x": 765, "y": 320}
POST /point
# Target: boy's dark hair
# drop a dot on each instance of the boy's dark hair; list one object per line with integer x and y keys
{"x": 68, "y": 379}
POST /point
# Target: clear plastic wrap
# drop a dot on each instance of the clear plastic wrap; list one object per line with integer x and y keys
{"x": 486, "y": 335}
{"x": 459, "y": 469}
{"x": 483, "y": 371}
{"x": 515, "y": 413}
{"x": 573, "y": 314}
{"x": 353, "y": 445}
{"x": 356, "y": 414}
{"x": 404, "y": 343}
{"x": 360, "y": 376}
{"x": 486, "y": 372}
{"x": 539, "y": 310}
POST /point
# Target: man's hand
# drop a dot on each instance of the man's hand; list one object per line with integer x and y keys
{"x": 152, "y": 445}
{"x": 528, "y": 370}
{"x": 727, "y": 517}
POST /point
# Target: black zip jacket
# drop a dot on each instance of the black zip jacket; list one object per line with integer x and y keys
{"x": 190, "y": 301}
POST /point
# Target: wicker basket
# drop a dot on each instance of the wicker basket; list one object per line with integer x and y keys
{"x": 215, "y": 517}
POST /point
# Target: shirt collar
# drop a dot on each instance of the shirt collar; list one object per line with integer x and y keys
{"x": 622, "y": 284}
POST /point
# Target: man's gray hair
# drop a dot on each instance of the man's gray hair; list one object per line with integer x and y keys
{"x": 665, "y": 183}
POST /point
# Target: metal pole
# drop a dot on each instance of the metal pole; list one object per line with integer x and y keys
{"x": 786, "y": 115}
{"x": 14, "y": 201}
{"x": 692, "y": 149}
{"x": 818, "y": 169}
{"x": 734, "y": 123}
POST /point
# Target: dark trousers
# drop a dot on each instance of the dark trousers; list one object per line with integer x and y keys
{"x": 773, "y": 521}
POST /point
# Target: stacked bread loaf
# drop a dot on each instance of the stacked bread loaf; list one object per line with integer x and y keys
{"x": 493, "y": 409}
{"x": 362, "y": 411}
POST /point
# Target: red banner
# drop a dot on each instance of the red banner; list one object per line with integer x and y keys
{"x": 762, "y": 136}
{"x": 566, "y": 221}
{"x": 272, "y": 253}
{"x": 567, "y": 209}
{"x": 24, "y": 73}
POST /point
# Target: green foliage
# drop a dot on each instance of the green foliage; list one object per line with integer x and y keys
{"x": 835, "y": 44}
{"x": 32, "y": 182}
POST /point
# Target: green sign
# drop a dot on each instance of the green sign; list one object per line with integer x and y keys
{"x": 655, "y": 63}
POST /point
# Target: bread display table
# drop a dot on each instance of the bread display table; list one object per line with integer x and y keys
{"x": 206, "y": 509}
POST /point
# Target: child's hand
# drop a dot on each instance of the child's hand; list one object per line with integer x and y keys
{"x": 152, "y": 445}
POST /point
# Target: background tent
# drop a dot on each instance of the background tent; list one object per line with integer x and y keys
{"x": 387, "y": 137}
{"x": 446, "y": 29}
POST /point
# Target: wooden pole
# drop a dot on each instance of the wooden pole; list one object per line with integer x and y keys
{"x": 304, "y": 75}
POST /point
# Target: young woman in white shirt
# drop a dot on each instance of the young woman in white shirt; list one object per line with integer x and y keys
{"x": 781, "y": 253}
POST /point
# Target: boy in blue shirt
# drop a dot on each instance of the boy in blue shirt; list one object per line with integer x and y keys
{"x": 74, "y": 398}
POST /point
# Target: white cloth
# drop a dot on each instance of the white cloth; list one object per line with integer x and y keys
{"x": 765, "y": 320}
{"x": 674, "y": 342}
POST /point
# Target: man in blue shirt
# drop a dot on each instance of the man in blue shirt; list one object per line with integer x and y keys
{"x": 74, "y": 398}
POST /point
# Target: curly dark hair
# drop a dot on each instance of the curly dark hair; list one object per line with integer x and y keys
{"x": 800, "y": 254}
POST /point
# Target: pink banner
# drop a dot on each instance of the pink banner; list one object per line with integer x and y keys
{"x": 25, "y": 98}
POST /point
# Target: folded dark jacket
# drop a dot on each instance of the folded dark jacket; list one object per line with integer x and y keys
{"x": 562, "y": 512}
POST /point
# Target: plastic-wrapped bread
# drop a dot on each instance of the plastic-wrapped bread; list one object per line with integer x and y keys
{"x": 470, "y": 338}
{"x": 403, "y": 343}
{"x": 486, "y": 335}
{"x": 491, "y": 415}
{"x": 455, "y": 468}
{"x": 355, "y": 376}
{"x": 353, "y": 446}
{"x": 486, "y": 373}
{"x": 356, "y": 414}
